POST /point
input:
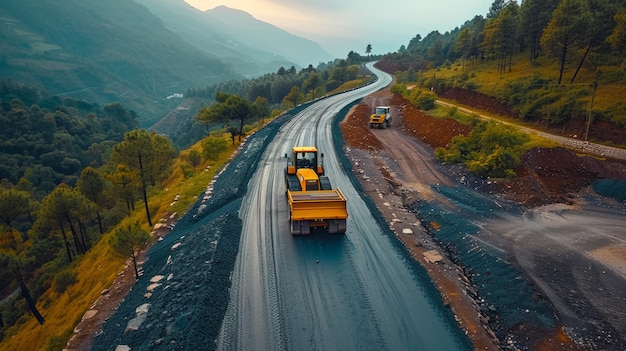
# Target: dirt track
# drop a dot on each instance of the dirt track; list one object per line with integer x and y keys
{"x": 398, "y": 170}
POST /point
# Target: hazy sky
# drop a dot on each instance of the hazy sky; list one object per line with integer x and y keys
{"x": 343, "y": 25}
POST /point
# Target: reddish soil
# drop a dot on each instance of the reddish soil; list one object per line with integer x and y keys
{"x": 544, "y": 176}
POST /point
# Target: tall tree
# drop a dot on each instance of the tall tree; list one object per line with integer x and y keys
{"x": 294, "y": 97}
{"x": 602, "y": 23}
{"x": 534, "y": 17}
{"x": 617, "y": 38}
{"x": 63, "y": 209}
{"x": 566, "y": 32}
{"x": 14, "y": 204}
{"x": 501, "y": 36}
{"x": 261, "y": 108}
{"x": 435, "y": 53}
{"x": 128, "y": 241}
{"x": 495, "y": 8}
{"x": 92, "y": 184}
{"x": 146, "y": 153}
{"x": 233, "y": 107}
{"x": 368, "y": 49}
{"x": 207, "y": 116}
{"x": 463, "y": 45}
{"x": 126, "y": 185}
{"x": 12, "y": 266}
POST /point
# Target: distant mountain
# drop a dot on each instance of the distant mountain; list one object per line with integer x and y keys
{"x": 139, "y": 53}
{"x": 253, "y": 47}
{"x": 102, "y": 51}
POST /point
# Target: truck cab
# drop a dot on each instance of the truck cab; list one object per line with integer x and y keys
{"x": 381, "y": 118}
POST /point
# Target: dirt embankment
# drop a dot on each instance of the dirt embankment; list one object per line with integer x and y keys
{"x": 545, "y": 176}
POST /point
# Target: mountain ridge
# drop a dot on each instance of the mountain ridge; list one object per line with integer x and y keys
{"x": 120, "y": 51}
{"x": 263, "y": 47}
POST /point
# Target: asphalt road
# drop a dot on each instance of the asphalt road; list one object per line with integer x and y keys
{"x": 357, "y": 291}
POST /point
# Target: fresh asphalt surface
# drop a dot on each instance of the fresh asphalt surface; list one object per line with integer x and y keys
{"x": 233, "y": 277}
{"x": 356, "y": 291}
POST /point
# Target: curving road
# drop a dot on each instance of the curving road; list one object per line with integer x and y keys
{"x": 356, "y": 291}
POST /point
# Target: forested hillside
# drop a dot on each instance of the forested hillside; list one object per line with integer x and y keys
{"x": 47, "y": 140}
{"x": 102, "y": 51}
{"x": 69, "y": 178}
{"x": 556, "y": 64}
{"x": 282, "y": 90}
{"x": 142, "y": 54}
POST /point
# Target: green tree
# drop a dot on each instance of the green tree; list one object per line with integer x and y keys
{"x": 293, "y": 98}
{"x": 126, "y": 185}
{"x": 162, "y": 158}
{"x": 149, "y": 154}
{"x": 11, "y": 266}
{"x": 212, "y": 147}
{"x": 534, "y": 17}
{"x": 617, "y": 38}
{"x": 501, "y": 35}
{"x": 14, "y": 205}
{"x": 602, "y": 23}
{"x": 368, "y": 49}
{"x": 63, "y": 209}
{"x": 495, "y": 8}
{"x": 280, "y": 88}
{"x": 463, "y": 45}
{"x": 194, "y": 158}
{"x": 92, "y": 184}
{"x": 98, "y": 150}
{"x": 311, "y": 83}
{"x": 128, "y": 241}
{"x": 261, "y": 108}
{"x": 566, "y": 32}
{"x": 231, "y": 107}
{"x": 208, "y": 116}
{"x": 435, "y": 53}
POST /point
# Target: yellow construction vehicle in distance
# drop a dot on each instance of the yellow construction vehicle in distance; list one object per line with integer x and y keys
{"x": 381, "y": 117}
{"x": 312, "y": 200}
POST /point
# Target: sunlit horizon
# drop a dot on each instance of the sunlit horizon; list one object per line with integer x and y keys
{"x": 350, "y": 25}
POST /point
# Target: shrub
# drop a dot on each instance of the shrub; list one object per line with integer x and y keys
{"x": 399, "y": 89}
{"x": 490, "y": 150}
{"x": 212, "y": 147}
{"x": 426, "y": 101}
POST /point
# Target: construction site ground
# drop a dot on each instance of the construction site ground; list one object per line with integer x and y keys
{"x": 396, "y": 167}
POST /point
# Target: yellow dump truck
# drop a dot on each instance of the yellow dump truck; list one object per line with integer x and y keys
{"x": 313, "y": 203}
{"x": 381, "y": 117}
